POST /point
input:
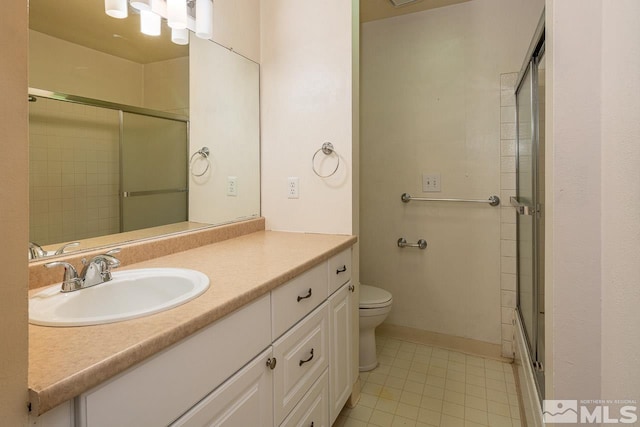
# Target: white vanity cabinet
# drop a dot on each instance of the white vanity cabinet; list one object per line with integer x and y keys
{"x": 282, "y": 360}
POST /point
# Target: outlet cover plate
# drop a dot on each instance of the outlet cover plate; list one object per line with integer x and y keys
{"x": 430, "y": 182}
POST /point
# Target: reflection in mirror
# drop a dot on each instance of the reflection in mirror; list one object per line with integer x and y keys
{"x": 84, "y": 159}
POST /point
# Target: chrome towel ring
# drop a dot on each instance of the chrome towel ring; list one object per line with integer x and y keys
{"x": 204, "y": 154}
{"x": 327, "y": 149}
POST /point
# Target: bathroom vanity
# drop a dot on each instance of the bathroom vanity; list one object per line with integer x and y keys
{"x": 268, "y": 344}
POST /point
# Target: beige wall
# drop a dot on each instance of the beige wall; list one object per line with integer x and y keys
{"x": 13, "y": 213}
{"x": 61, "y": 66}
{"x": 236, "y": 25}
{"x": 166, "y": 85}
{"x": 593, "y": 342}
{"x": 620, "y": 199}
{"x": 306, "y": 99}
{"x": 431, "y": 94}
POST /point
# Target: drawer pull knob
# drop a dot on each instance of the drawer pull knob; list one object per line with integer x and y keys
{"x": 311, "y": 424}
{"x": 271, "y": 362}
{"x": 308, "y": 295}
{"x": 341, "y": 269}
{"x": 302, "y": 362}
{"x": 352, "y": 288}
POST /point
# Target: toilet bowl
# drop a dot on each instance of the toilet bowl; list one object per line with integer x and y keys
{"x": 375, "y": 305}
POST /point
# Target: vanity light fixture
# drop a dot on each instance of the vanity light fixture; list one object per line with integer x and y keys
{"x": 116, "y": 8}
{"x": 177, "y": 14}
{"x": 150, "y": 23}
{"x": 204, "y": 19}
{"x": 180, "y": 36}
{"x": 141, "y": 4}
{"x": 181, "y": 16}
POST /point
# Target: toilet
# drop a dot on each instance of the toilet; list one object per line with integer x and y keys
{"x": 375, "y": 305}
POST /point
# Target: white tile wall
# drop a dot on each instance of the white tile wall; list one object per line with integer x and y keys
{"x": 508, "y": 216}
{"x": 73, "y": 171}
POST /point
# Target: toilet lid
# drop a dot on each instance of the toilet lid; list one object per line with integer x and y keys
{"x": 372, "y": 297}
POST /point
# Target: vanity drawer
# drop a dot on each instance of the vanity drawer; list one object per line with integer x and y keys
{"x": 295, "y": 299}
{"x": 339, "y": 270}
{"x": 302, "y": 356}
{"x": 313, "y": 409}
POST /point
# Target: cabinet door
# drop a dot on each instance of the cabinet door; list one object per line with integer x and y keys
{"x": 340, "y": 318}
{"x": 245, "y": 399}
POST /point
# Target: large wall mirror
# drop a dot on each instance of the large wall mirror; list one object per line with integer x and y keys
{"x": 119, "y": 126}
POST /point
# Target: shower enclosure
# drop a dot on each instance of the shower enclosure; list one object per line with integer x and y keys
{"x": 100, "y": 168}
{"x": 529, "y": 204}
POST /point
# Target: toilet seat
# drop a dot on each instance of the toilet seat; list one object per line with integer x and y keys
{"x": 372, "y": 297}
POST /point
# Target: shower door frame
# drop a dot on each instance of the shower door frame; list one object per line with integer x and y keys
{"x": 534, "y": 339}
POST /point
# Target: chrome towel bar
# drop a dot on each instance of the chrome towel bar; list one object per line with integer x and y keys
{"x": 402, "y": 243}
{"x": 492, "y": 200}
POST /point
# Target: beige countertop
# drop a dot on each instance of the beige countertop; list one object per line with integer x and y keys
{"x": 65, "y": 362}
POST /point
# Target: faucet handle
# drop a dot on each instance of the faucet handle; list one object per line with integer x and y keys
{"x": 98, "y": 269}
{"x": 61, "y": 250}
{"x": 71, "y": 281}
{"x": 35, "y": 251}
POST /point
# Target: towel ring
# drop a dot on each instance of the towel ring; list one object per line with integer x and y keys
{"x": 327, "y": 149}
{"x": 204, "y": 153}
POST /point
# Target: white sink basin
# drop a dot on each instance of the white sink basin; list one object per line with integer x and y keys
{"x": 130, "y": 294}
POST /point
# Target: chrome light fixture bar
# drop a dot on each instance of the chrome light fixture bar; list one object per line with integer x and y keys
{"x": 181, "y": 16}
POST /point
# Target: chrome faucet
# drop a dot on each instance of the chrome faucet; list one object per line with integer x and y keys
{"x": 62, "y": 248}
{"x": 36, "y": 251}
{"x": 96, "y": 271}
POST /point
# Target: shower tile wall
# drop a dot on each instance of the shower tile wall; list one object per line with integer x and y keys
{"x": 73, "y": 171}
{"x": 508, "y": 215}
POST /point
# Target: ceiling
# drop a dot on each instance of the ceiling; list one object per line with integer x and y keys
{"x": 372, "y": 10}
{"x": 84, "y": 22}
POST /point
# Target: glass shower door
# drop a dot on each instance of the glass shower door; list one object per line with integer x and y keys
{"x": 525, "y": 205}
{"x": 529, "y": 206}
{"x": 153, "y": 171}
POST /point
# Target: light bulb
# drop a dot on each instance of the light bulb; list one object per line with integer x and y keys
{"x": 177, "y": 14}
{"x": 180, "y": 36}
{"x": 149, "y": 23}
{"x": 204, "y": 19}
{"x": 141, "y": 4}
{"x": 116, "y": 8}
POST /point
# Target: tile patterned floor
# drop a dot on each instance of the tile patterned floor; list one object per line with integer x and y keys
{"x": 418, "y": 385}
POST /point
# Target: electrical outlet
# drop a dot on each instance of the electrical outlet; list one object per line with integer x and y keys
{"x": 293, "y": 187}
{"x": 430, "y": 183}
{"x": 232, "y": 186}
